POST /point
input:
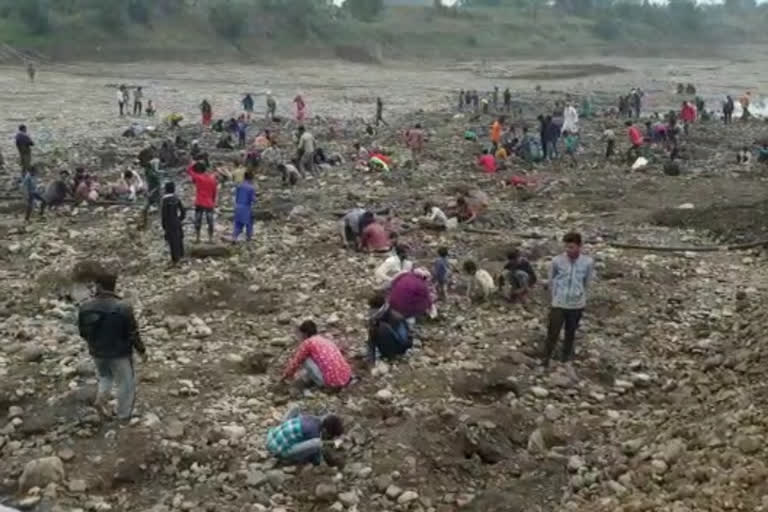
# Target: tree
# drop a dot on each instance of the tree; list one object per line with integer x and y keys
{"x": 34, "y": 14}
{"x": 228, "y": 19}
{"x": 364, "y": 10}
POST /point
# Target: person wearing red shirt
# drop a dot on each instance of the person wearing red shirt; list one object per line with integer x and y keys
{"x": 375, "y": 238}
{"x": 322, "y": 361}
{"x": 688, "y": 114}
{"x": 206, "y": 187}
{"x": 635, "y": 139}
{"x": 487, "y": 162}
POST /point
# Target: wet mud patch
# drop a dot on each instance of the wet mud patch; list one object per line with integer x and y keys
{"x": 733, "y": 223}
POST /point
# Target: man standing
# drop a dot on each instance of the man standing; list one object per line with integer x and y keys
{"x": 31, "y": 71}
{"x": 380, "y": 112}
{"x": 24, "y": 144}
{"x": 245, "y": 195}
{"x": 121, "y": 100}
{"x": 570, "y": 276}
{"x": 414, "y": 139}
{"x": 507, "y": 100}
{"x": 728, "y": 107}
{"x": 306, "y": 151}
{"x": 205, "y": 197}
{"x": 496, "y": 129}
{"x": 138, "y": 106}
{"x": 172, "y": 215}
{"x": 109, "y": 326}
{"x": 271, "y": 106}
{"x": 637, "y": 102}
{"x": 495, "y": 97}
{"x": 248, "y": 105}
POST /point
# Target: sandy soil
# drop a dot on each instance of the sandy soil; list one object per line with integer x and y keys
{"x": 75, "y": 101}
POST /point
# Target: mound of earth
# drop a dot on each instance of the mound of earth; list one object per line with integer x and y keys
{"x": 732, "y": 223}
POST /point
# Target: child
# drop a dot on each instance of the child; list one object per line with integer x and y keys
{"x": 518, "y": 274}
{"x": 299, "y": 438}
{"x": 571, "y": 145}
{"x": 481, "y": 287}
{"x": 441, "y": 271}
{"x": 150, "y": 110}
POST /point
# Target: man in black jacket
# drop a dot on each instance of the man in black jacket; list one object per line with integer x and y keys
{"x": 172, "y": 215}
{"x": 109, "y": 326}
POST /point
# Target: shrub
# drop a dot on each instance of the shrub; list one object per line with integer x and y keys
{"x": 139, "y": 11}
{"x": 364, "y": 10}
{"x": 607, "y": 28}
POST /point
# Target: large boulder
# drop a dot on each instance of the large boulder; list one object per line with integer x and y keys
{"x": 41, "y": 472}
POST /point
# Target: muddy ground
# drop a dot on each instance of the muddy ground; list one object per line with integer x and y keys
{"x": 662, "y": 411}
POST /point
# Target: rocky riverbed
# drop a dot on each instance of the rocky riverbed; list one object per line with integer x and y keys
{"x": 662, "y": 410}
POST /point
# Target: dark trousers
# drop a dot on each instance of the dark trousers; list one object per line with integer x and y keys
{"x": 199, "y": 211}
{"x": 610, "y": 148}
{"x": 727, "y": 117}
{"x": 559, "y": 317}
{"x": 121, "y": 104}
{"x": 137, "y": 108}
{"x": 25, "y": 160}
{"x": 175, "y": 239}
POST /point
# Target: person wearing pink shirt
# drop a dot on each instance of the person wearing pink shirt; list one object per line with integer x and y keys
{"x": 375, "y": 238}
{"x": 322, "y": 362}
{"x": 487, "y": 162}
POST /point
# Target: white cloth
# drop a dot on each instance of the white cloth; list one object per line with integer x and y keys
{"x": 390, "y": 268}
{"x": 120, "y": 97}
{"x": 570, "y": 119}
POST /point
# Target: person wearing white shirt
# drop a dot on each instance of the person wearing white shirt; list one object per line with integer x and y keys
{"x": 392, "y": 266}
{"x": 436, "y": 218}
{"x": 482, "y": 285}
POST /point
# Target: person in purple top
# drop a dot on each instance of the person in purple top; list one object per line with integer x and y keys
{"x": 245, "y": 195}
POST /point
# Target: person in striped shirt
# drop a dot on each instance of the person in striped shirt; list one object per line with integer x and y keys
{"x": 299, "y": 438}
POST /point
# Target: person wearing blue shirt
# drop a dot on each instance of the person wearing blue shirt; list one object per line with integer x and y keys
{"x": 440, "y": 272}
{"x": 29, "y": 188}
{"x": 245, "y": 196}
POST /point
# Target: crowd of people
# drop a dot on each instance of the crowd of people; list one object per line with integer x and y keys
{"x": 402, "y": 293}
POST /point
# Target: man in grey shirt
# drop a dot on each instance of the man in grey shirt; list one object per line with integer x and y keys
{"x": 569, "y": 278}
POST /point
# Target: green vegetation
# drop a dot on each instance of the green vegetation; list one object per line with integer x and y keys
{"x": 365, "y": 29}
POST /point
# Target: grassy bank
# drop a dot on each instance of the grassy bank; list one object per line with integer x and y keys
{"x": 240, "y": 30}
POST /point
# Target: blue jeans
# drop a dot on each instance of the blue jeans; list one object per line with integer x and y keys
{"x": 117, "y": 371}
{"x": 312, "y": 374}
{"x": 552, "y": 149}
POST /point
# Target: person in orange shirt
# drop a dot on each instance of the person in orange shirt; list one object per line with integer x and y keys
{"x": 496, "y": 129}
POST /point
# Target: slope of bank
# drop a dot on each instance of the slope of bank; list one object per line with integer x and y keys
{"x": 403, "y": 32}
